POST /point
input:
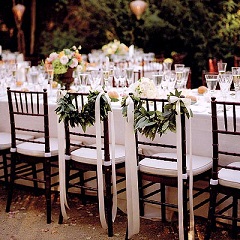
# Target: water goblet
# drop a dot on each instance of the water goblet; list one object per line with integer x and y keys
{"x": 129, "y": 74}
{"x": 225, "y": 81}
{"x": 211, "y": 80}
{"x": 167, "y": 66}
{"x": 179, "y": 70}
{"x": 83, "y": 77}
{"x": 172, "y": 80}
{"x": 157, "y": 79}
{"x": 116, "y": 74}
{"x": 236, "y": 78}
{"x": 50, "y": 73}
{"x": 221, "y": 67}
{"x": 95, "y": 78}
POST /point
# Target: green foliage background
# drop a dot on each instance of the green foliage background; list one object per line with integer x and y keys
{"x": 201, "y": 28}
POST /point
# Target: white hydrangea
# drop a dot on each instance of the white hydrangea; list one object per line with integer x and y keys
{"x": 144, "y": 87}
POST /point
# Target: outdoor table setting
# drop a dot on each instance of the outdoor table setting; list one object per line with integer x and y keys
{"x": 159, "y": 85}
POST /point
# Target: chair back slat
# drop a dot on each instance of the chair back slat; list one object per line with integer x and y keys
{"x": 30, "y": 105}
{"x": 224, "y": 123}
{"x": 75, "y": 134}
{"x": 151, "y": 104}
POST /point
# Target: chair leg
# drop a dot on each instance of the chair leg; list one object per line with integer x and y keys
{"x": 211, "y": 222}
{"x": 47, "y": 168}
{"x": 141, "y": 195}
{"x": 234, "y": 216}
{"x": 12, "y": 180}
{"x": 5, "y": 169}
{"x": 108, "y": 200}
{"x": 163, "y": 200}
{"x": 185, "y": 209}
{"x": 83, "y": 194}
{"x": 35, "y": 183}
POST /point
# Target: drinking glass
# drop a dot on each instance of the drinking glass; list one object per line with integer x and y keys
{"x": 172, "y": 77}
{"x": 50, "y": 73}
{"x": 33, "y": 77}
{"x": 157, "y": 79}
{"x": 167, "y": 66}
{"x": 129, "y": 73}
{"x": 95, "y": 78}
{"x": 221, "y": 67}
{"x": 75, "y": 76}
{"x": 83, "y": 78}
{"x": 186, "y": 71}
{"x": 179, "y": 70}
{"x": 123, "y": 76}
{"x": 117, "y": 75}
{"x": 225, "y": 81}
{"x": 236, "y": 78}
{"x": 211, "y": 80}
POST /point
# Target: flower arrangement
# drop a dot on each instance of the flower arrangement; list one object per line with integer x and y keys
{"x": 115, "y": 47}
{"x": 65, "y": 59}
{"x": 144, "y": 87}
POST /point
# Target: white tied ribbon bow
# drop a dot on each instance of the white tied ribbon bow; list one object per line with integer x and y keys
{"x": 131, "y": 170}
{"x": 100, "y": 162}
{"x": 187, "y": 103}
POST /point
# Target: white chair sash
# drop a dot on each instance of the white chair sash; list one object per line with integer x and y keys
{"x": 131, "y": 171}
{"x": 99, "y": 164}
{"x": 187, "y": 103}
{"x": 61, "y": 163}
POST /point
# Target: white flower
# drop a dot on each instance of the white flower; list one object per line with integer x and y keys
{"x": 144, "y": 87}
{"x": 64, "y": 60}
{"x": 74, "y": 63}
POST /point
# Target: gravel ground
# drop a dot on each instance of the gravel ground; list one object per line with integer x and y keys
{"x": 27, "y": 221}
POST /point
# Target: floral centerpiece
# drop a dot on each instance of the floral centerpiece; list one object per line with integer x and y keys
{"x": 64, "y": 62}
{"x": 115, "y": 47}
{"x": 144, "y": 87}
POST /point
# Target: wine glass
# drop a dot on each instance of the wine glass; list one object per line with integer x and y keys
{"x": 225, "y": 81}
{"x": 95, "y": 78}
{"x": 157, "y": 79}
{"x": 83, "y": 77}
{"x": 50, "y": 73}
{"x": 236, "y": 78}
{"x": 129, "y": 74}
{"x": 211, "y": 80}
{"x": 179, "y": 69}
{"x": 221, "y": 67}
{"x": 116, "y": 74}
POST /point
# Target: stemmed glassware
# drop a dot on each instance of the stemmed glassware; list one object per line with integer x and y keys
{"x": 236, "y": 79}
{"x": 157, "y": 79}
{"x": 225, "y": 81}
{"x": 83, "y": 77}
{"x": 129, "y": 75}
{"x": 117, "y": 75}
{"x": 211, "y": 80}
{"x": 95, "y": 78}
{"x": 50, "y": 73}
{"x": 221, "y": 67}
{"x": 179, "y": 69}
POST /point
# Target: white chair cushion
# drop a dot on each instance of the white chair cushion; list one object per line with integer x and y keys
{"x": 36, "y": 149}
{"x": 5, "y": 139}
{"x": 230, "y": 177}
{"x": 167, "y": 168}
{"x": 89, "y": 156}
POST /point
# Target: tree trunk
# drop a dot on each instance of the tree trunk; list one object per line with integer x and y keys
{"x": 33, "y": 26}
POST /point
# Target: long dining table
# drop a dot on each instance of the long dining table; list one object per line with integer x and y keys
{"x": 201, "y": 136}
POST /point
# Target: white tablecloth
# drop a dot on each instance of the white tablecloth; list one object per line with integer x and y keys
{"x": 201, "y": 135}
